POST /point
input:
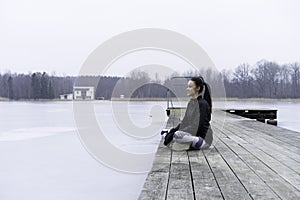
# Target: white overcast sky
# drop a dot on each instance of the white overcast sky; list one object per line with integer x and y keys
{"x": 58, "y": 35}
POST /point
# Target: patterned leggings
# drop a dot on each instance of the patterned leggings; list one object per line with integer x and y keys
{"x": 186, "y": 138}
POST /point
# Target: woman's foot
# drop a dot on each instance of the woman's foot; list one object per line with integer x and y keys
{"x": 200, "y": 144}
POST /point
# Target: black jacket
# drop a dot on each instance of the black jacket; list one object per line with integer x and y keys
{"x": 196, "y": 120}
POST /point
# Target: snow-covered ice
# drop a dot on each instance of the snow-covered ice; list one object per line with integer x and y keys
{"x": 42, "y": 157}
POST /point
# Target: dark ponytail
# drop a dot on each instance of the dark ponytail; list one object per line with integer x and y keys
{"x": 207, "y": 95}
{"x": 203, "y": 85}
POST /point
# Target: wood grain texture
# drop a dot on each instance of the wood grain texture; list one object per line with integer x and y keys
{"x": 248, "y": 160}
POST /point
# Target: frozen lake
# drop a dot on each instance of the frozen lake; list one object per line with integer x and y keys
{"x": 42, "y": 156}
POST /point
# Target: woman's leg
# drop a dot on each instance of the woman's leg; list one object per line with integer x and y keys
{"x": 184, "y": 138}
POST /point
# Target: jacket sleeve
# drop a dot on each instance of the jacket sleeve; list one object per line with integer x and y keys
{"x": 204, "y": 117}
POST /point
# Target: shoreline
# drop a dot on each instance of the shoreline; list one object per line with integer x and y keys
{"x": 258, "y": 99}
{"x": 159, "y": 99}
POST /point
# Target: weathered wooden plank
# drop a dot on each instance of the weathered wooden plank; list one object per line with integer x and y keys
{"x": 253, "y": 183}
{"x": 276, "y": 182}
{"x": 261, "y": 141}
{"x": 205, "y": 185}
{"x": 289, "y": 175}
{"x": 280, "y": 186}
{"x": 231, "y": 136}
{"x": 285, "y": 138}
{"x": 260, "y": 129}
{"x": 180, "y": 181}
{"x": 285, "y": 172}
{"x": 229, "y": 184}
{"x": 287, "y": 158}
{"x": 155, "y": 186}
{"x": 282, "y": 155}
{"x": 243, "y": 165}
{"x": 274, "y": 130}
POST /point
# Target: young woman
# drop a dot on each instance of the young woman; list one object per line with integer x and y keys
{"x": 194, "y": 129}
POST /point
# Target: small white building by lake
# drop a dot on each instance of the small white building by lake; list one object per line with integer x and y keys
{"x": 66, "y": 97}
{"x": 84, "y": 93}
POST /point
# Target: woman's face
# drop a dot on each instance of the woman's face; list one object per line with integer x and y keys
{"x": 192, "y": 89}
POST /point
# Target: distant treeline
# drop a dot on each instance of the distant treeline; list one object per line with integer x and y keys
{"x": 263, "y": 80}
{"x": 34, "y": 86}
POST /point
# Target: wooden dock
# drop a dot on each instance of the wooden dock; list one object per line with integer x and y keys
{"x": 248, "y": 160}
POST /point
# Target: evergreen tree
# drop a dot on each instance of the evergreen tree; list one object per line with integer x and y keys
{"x": 50, "y": 91}
{"x": 44, "y": 86}
{"x": 35, "y": 86}
{"x": 4, "y": 92}
{"x": 10, "y": 88}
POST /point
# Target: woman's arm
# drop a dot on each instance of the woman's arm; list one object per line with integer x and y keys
{"x": 204, "y": 117}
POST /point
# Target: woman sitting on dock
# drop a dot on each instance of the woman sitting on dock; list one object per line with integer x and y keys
{"x": 194, "y": 130}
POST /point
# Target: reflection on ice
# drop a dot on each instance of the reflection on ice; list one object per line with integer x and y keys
{"x": 31, "y": 133}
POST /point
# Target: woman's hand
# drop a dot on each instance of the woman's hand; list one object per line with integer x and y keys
{"x": 164, "y": 131}
{"x": 172, "y": 130}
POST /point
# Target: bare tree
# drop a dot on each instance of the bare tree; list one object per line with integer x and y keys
{"x": 226, "y": 78}
{"x": 243, "y": 80}
{"x": 284, "y": 81}
{"x": 295, "y": 73}
{"x": 266, "y": 76}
